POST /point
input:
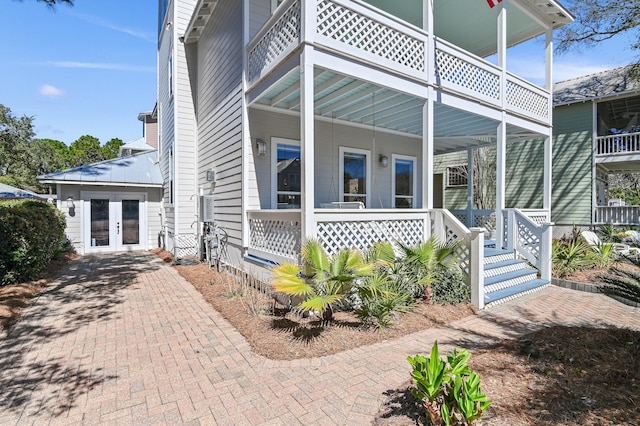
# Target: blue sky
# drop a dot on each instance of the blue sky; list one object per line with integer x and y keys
{"x": 87, "y": 69}
{"x": 90, "y": 69}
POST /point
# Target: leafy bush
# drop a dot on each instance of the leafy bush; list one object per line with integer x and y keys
{"x": 381, "y": 298}
{"x": 32, "y": 234}
{"x": 449, "y": 390}
{"x": 325, "y": 282}
{"x": 449, "y": 287}
{"x": 624, "y": 284}
{"x": 568, "y": 257}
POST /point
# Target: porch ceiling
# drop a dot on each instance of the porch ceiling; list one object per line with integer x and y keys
{"x": 348, "y": 100}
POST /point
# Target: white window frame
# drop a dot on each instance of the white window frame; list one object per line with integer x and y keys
{"x": 369, "y": 171}
{"x": 448, "y": 183}
{"x": 274, "y": 169}
{"x": 275, "y": 4}
{"x": 414, "y": 160}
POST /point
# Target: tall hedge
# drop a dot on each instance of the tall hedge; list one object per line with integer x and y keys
{"x": 31, "y": 235}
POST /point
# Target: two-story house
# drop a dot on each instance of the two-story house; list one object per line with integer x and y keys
{"x": 321, "y": 118}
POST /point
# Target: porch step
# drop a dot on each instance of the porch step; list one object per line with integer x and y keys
{"x": 498, "y": 268}
{"x": 509, "y": 293}
{"x": 495, "y": 255}
{"x": 509, "y": 279}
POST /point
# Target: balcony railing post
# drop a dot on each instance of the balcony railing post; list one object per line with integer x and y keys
{"x": 512, "y": 229}
{"x": 476, "y": 267}
{"x": 546, "y": 251}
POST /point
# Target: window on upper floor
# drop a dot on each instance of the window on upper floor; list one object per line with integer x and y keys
{"x": 457, "y": 175}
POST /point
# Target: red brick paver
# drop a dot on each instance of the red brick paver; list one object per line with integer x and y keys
{"x": 123, "y": 339}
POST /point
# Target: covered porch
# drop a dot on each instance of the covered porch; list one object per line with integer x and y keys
{"x": 337, "y": 120}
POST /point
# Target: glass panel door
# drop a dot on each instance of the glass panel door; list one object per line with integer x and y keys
{"x": 130, "y": 222}
{"x": 99, "y": 222}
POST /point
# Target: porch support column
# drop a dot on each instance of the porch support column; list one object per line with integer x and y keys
{"x": 470, "y": 187}
{"x": 501, "y": 149}
{"x": 308, "y": 225}
{"x": 548, "y": 154}
{"x": 501, "y": 166}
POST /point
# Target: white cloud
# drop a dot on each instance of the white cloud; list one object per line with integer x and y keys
{"x": 50, "y": 91}
{"x": 101, "y": 66}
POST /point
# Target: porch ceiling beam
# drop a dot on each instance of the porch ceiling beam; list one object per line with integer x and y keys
{"x": 402, "y": 118}
{"x": 328, "y": 85}
{"x": 352, "y": 101}
{"x": 294, "y": 113}
{"x": 295, "y": 104}
{"x": 390, "y": 108}
{"x": 286, "y": 70}
{"x": 352, "y": 105}
{"x": 295, "y": 87}
{"x": 346, "y": 90}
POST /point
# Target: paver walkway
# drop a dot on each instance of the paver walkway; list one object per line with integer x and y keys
{"x": 123, "y": 339}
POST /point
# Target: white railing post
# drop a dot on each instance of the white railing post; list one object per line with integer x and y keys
{"x": 438, "y": 225}
{"x": 476, "y": 267}
{"x": 512, "y": 229}
{"x": 546, "y": 251}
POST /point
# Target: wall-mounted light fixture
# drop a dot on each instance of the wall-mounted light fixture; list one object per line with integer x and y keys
{"x": 383, "y": 160}
{"x": 210, "y": 175}
{"x": 168, "y": 26}
{"x": 70, "y": 204}
{"x": 262, "y": 146}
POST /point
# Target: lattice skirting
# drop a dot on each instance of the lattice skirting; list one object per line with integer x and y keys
{"x": 185, "y": 244}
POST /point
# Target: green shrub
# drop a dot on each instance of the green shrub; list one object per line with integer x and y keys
{"x": 568, "y": 257}
{"x": 449, "y": 390}
{"x": 449, "y": 287}
{"x": 381, "y": 298}
{"x": 32, "y": 234}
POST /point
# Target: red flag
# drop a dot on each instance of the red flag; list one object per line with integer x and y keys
{"x": 492, "y": 2}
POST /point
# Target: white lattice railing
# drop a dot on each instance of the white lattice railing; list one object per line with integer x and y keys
{"x": 463, "y": 72}
{"x": 360, "y": 229}
{"x": 618, "y": 215}
{"x": 184, "y": 244}
{"x": 527, "y": 98}
{"x": 275, "y": 235}
{"x": 479, "y": 218}
{"x": 447, "y": 228}
{"x": 627, "y": 143}
{"x": 537, "y": 216}
{"x": 275, "y": 41}
{"x": 361, "y": 31}
{"x": 530, "y": 240}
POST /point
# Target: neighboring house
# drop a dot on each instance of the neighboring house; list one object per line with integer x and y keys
{"x": 8, "y": 191}
{"x": 596, "y": 133}
{"x": 267, "y": 105}
{"x": 113, "y": 205}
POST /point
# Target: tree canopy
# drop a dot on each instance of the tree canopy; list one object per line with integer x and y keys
{"x": 23, "y": 158}
{"x": 599, "y": 20}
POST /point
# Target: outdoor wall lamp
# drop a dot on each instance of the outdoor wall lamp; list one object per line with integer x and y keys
{"x": 70, "y": 204}
{"x": 383, "y": 160}
{"x": 262, "y": 146}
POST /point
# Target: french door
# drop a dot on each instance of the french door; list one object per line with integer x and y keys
{"x": 114, "y": 222}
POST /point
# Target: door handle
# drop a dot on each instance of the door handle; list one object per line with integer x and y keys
{"x": 118, "y": 228}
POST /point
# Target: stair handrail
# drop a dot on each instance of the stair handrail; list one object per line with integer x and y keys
{"x": 446, "y": 227}
{"x": 530, "y": 240}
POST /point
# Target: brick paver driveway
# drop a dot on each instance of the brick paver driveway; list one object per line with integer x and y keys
{"x": 123, "y": 339}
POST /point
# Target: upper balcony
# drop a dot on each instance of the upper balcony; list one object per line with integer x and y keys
{"x": 360, "y": 33}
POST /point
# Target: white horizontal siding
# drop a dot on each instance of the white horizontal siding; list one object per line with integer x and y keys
{"x": 219, "y": 106}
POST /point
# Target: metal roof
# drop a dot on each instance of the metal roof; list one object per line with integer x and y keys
{"x": 8, "y": 191}
{"x": 140, "y": 169}
{"x": 604, "y": 84}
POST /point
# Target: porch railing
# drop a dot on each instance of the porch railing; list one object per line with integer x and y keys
{"x": 358, "y": 30}
{"x": 529, "y": 239}
{"x": 357, "y": 229}
{"x": 628, "y": 143}
{"x": 618, "y": 215}
{"x": 275, "y": 235}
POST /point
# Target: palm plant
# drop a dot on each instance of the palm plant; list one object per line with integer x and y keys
{"x": 325, "y": 281}
{"x": 569, "y": 257}
{"x": 623, "y": 284}
{"x": 423, "y": 261}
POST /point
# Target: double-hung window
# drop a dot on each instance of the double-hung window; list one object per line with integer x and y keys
{"x": 403, "y": 175}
